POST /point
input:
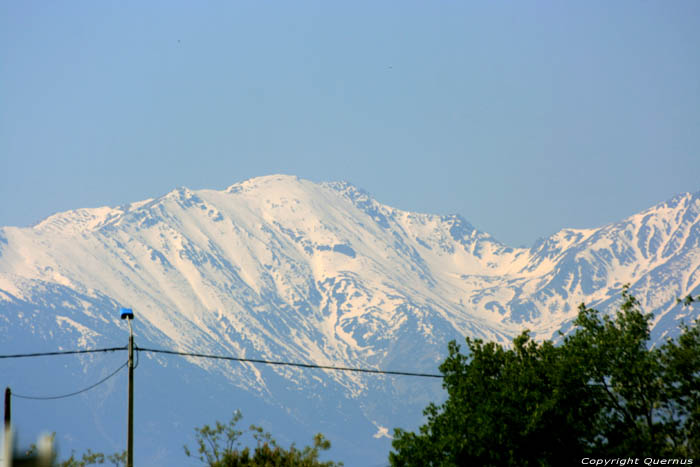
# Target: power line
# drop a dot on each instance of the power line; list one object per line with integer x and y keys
{"x": 62, "y": 352}
{"x": 226, "y": 357}
{"x": 72, "y": 393}
{"x": 300, "y": 365}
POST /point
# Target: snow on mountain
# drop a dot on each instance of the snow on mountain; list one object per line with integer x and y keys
{"x": 286, "y": 269}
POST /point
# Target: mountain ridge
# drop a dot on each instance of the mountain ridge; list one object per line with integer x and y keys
{"x": 282, "y": 268}
{"x": 484, "y": 256}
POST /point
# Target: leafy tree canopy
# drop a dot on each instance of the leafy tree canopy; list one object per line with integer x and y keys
{"x": 220, "y": 446}
{"x": 94, "y": 458}
{"x": 89, "y": 457}
{"x": 601, "y": 393}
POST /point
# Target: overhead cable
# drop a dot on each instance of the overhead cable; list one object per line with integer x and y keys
{"x": 61, "y": 352}
{"x": 72, "y": 393}
{"x": 226, "y": 357}
{"x": 300, "y": 365}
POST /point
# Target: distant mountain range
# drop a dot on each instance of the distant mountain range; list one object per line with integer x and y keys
{"x": 284, "y": 269}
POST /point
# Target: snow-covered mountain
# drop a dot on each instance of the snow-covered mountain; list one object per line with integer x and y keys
{"x": 285, "y": 269}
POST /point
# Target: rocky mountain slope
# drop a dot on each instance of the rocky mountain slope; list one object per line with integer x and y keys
{"x": 285, "y": 269}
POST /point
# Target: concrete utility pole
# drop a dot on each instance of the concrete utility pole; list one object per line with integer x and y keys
{"x": 128, "y": 314}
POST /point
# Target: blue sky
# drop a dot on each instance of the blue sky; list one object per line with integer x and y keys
{"x": 524, "y": 117}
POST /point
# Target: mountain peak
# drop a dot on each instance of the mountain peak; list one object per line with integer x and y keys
{"x": 284, "y": 269}
{"x": 264, "y": 182}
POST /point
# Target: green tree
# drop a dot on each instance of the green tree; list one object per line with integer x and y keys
{"x": 88, "y": 458}
{"x": 94, "y": 458}
{"x": 221, "y": 446}
{"x": 601, "y": 392}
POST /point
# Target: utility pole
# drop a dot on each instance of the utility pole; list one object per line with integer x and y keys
{"x": 7, "y": 434}
{"x": 8, "y": 408}
{"x": 128, "y": 314}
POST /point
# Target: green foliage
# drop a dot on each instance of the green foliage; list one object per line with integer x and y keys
{"x": 220, "y": 446}
{"x": 213, "y": 443}
{"x": 88, "y": 458}
{"x": 601, "y": 393}
{"x": 94, "y": 458}
{"x": 688, "y": 300}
